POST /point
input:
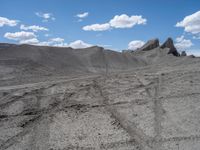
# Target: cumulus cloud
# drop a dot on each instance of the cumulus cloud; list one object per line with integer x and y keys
{"x": 191, "y": 23}
{"x": 97, "y": 27}
{"x": 124, "y": 21}
{"x": 57, "y": 40}
{"x": 82, "y": 15}
{"x": 30, "y": 38}
{"x": 79, "y": 44}
{"x": 7, "y": 22}
{"x": 182, "y": 43}
{"x": 45, "y": 16}
{"x": 33, "y": 28}
{"x": 20, "y": 36}
{"x": 119, "y": 21}
{"x": 29, "y": 41}
{"x": 133, "y": 45}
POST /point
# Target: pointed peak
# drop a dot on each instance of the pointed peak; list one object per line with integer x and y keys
{"x": 169, "y": 43}
{"x": 151, "y": 44}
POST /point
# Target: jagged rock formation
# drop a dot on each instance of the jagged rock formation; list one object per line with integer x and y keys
{"x": 170, "y": 44}
{"x": 154, "y": 43}
{"x": 183, "y": 53}
{"x": 151, "y": 44}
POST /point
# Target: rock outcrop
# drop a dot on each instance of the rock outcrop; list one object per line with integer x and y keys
{"x": 183, "y": 53}
{"x": 151, "y": 44}
{"x": 170, "y": 44}
{"x": 191, "y": 56}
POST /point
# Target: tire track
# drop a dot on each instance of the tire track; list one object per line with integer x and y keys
{"x": 183, "y": 138}
{"x": 135, "y": 133}
{"x": 147, "y": 87}
{"x": 31, "y": 125}
{"x": 158, "y": 110}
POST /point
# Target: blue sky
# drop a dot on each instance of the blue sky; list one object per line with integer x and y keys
{"x": 158, "y": 19}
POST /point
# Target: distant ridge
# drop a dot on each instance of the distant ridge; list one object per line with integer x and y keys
{"x": 154, "y": 43}
{"x": 22, "y": 63}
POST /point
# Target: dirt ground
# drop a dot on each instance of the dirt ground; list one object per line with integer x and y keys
{"x": 151, "y": 107}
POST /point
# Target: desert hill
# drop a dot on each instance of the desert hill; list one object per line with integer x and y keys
{"x": 55, "y": 98}
{"x": 24, "y": 63}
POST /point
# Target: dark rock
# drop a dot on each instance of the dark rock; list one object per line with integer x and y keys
{"x": 191, "y": 56}
{"x": 170, "y": 44}
{"x": 151, "y": 44}
{"x": 183, "y": 53}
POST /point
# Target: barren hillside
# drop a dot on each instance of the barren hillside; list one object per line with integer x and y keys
{"x": 90, "y": 99}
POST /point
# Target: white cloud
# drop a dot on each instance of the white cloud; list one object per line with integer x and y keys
{"x": 8, "y": 22}
{"x": 133, "y": 45}
{"x": 57, "y": 40}
{"x": 29, "y": 41}
{"x": 30, "y": 38}
{"x": 182, "y": 43}
{"x": 20, "y": 36}
{"x": 191, "y": 23}
{"x": 33, "y": 28}
{"x": 46, "y": 16}
{"x": 79, "y": 44}
{"x": 97, "y": 27}
{"x": 124, "y": 21}
{"x": 82, "y": 15}
{"x": 119, "y": 21}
